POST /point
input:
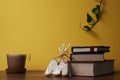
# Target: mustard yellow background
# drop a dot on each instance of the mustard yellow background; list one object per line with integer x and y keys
{"x": 38, "y": 27}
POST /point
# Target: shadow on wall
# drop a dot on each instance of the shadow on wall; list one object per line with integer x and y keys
{"x": 93, "y": 34}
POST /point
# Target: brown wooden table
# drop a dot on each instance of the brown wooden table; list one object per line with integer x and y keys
{"x": 39, "y": 75}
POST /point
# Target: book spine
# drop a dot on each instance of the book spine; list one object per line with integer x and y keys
{"x": 87, "y": 52}
{"x": 90, "y": 49}
{"x": 112, "y": 60}
{"x": 86, "y": 57}
{"x": 91, "y": 68}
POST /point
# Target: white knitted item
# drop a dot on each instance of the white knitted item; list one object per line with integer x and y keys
{"x": 52, "y": 67}
{"x": 63, "y": 66}
{"x": 57, "y": 69}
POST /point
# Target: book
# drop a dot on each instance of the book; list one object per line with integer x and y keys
{"x": 78, "y": 49}
{"x": 91, "y": 68}
{"x": 87, "y": 57}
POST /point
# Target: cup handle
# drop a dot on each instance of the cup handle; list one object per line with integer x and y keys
{"x": 29, "y": 57}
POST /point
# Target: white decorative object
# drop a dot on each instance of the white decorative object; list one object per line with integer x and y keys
{"x": 52, "y": 68}
{"x": 59, "y": 65}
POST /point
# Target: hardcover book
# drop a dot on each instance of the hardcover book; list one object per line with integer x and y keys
{"x": 78, "y": 49}
{"x": 87, "y": 57}
{"x": 91, "y": 68}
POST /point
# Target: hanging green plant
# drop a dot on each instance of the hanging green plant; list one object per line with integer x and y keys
{"x": 90, "y": 20}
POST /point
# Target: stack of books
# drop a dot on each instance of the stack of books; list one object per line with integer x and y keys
{"x": 90, "y": 61}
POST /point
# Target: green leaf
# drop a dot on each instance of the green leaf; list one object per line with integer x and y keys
{"x": 87, "y": 28}
{"x": 96, "y": 9}
{"x": 89, "y": 18}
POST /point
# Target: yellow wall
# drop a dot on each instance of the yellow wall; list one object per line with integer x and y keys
{"x": 39, "y": 26}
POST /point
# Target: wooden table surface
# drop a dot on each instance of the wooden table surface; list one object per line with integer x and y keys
{"x": 39, "y": 75}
